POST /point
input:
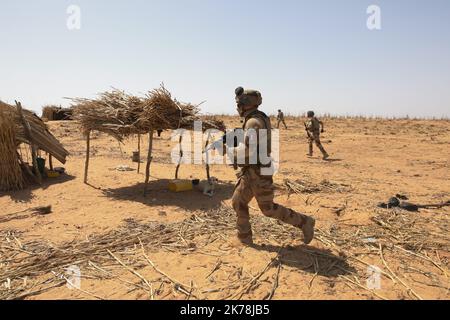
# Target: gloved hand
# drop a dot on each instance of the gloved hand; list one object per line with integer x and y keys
{"x": 215, "y": 145}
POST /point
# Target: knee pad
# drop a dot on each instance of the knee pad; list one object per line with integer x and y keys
{"x": 238, "y": 205}
{"x": 268, "y": 209}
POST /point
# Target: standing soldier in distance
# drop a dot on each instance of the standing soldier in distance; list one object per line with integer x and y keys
{"x": 314, "y": 127}
{"x": 253, "y": 181}
{"x": 280, "y": 118}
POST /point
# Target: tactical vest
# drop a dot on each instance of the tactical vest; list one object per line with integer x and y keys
{"x": 262, "y": 116}
{"x": 313, "y": 125}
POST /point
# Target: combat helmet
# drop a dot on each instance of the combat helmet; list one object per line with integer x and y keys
{"x": 248, "y": 98}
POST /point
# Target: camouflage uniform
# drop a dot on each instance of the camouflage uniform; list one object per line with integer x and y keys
{"x": 252, "y": 183}
{"x": 313, "y": 126}
{"x": 280, "y": 119}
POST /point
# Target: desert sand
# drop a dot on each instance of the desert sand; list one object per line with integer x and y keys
{"x": 371, "y": 161}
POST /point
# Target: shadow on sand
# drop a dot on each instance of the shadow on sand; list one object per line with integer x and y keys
{"x": 26, "y": 195}
{"x": 333, "y": 160}
{"x": 310, "y": 259}
{"x": 159, "y": 195}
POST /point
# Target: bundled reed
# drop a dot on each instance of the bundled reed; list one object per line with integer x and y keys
{"x": 120, "y": 114}
{"x": 39, "y": 133}
{"x": 48, "y": 112}
{"x": 305, "y": 186}
{"x": 395, "y": 240}
{"x": 52, "y": 113}
{"x": 160, "y": 111}
{"x": 212, "y": 122}
{"x": 115, "y": 113}
{"x": 11, "y": 177}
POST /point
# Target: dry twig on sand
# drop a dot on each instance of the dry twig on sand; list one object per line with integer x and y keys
{"x": 304, "y": 186}
{"x": 202, "y": 233}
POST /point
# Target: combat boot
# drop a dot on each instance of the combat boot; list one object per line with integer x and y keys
{"x": 308, "y": 229}
{"x": 240, "y": 242}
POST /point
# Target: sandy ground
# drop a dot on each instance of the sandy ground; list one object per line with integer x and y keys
{"x": 376, "y": 158}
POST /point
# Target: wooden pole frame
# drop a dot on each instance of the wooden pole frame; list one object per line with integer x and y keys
{"x": 149, "y": 161}
{"x": 88, "y": 151}
{"x": 27, "y": 130}
{"x": 180, "y": 141}
{"x": 208, "y": 176}
{"x": 139, "y": 151}
{"x": 50, "y": 162}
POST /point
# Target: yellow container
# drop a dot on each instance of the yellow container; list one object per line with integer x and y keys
{"x": 53, "y": 174}
{"x": 180, "y": 185}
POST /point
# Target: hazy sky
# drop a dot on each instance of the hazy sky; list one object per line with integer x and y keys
{"x": 300, "y": 54}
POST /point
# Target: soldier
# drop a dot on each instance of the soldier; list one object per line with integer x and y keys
{"x": 313, "y": 128}
{"x": 280, "y": 118}
{"x": 253, "y": 180}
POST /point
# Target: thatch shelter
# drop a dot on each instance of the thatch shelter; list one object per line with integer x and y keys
{"x": 121, "y": 115}
{"x": 56, "y": 113}
{"x": 19, "y": 126}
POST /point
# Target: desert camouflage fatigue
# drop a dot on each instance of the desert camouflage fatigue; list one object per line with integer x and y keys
{"x": 313, "y": 127}
{"x": 252, "y": 184}
{"x": 280, "y": 119}
{"x": 315, "y": 138}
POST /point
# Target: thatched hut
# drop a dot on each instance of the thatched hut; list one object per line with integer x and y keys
{"x": 121, "y": 115}
{"x": 56, "y": 113}
{"x": 17, "y": 127}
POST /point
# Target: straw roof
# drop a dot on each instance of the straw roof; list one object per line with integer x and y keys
{"x": 40, "y": 135}
{"x": 53, "y": 113}
{"x": 120, "y": 114}
{"x": 11, "y": 177}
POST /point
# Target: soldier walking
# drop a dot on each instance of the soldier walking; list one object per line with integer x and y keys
{"x": 253, "y": 179}
{"x": 313, "y": 128}
{"x": 280, "y": 118}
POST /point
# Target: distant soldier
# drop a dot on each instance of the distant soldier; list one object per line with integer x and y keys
{"x": 313, "y": 128}
{"x": 280, "y": 118}
{"x": 253, "y": 181}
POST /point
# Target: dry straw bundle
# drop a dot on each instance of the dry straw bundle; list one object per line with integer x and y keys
{"x": 48, "y": 112}
{"x": 138, "y": 241}
{"x": 120, "y": 114}
{"x": 39, "y": 133}
{"x": 305, "y": 186}
{"x": 11, "y": 177}
{"x": 19, "y": 126}
{"x": 52, "y": 113}
{"x": 344, "y": 257}
{"x": 115, "y": 113}
{"x": 162, "y": 112}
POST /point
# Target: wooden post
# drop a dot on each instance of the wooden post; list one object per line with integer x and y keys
{"x": 207, "y": 159}
{"x": 50, "y": 160}
{"x": 27, "y": 130}
{"x": 139, "y": 150}
{"x": 88, "y": 151}
{"x": 181, "y": 157}
{"x": 149, "y": 160}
